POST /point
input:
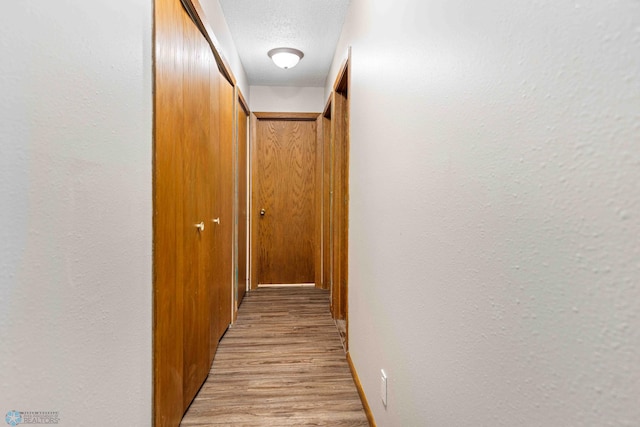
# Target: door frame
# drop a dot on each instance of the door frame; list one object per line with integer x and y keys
{"x": 340, "y": 119}
{"x": 327, "y": 193}
{"x": 253, "y": 215}
{"x": 241, "y": 105}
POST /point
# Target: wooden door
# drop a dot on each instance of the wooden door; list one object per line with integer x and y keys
{"x": 224, "y": 207}
{"x": 196, "y": 201}
{"x": 284, "y": 199}
{"x": 193, "y": 184}
{"x": 167, "y": 292}
{"x": 218, "y": 280}
{"x": 241, "y": 124}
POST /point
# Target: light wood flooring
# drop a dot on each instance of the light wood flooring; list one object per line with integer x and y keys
{"x": 281, "y": 364}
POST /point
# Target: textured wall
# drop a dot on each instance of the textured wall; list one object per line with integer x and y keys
{"x": 75, "y": 191}
{"x": 287, "y": 99}
{"x": 495, "y": 210}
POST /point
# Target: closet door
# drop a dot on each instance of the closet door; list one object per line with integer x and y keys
{"x": 196, "y": 223}
{"x": 167, "y": 209}
{"x": 224, "y": 207}
{"x": 193, "y": 210}
{"x": 217, "y": 278}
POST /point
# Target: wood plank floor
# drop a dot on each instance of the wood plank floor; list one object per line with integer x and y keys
{"x": 281, "y": 364}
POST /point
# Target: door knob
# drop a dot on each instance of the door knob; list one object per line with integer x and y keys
{"x": 262, "y": 212}
{"x": 216, "y": 220}
{"x": 200, "y": 226}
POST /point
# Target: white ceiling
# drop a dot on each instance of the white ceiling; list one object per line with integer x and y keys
{"x": 312, "y": 26}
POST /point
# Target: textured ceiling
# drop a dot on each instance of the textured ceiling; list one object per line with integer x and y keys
{"x": 312, "y": 26}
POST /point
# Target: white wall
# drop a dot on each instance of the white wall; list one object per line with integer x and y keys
{"x": 494, "y": 234}
{"x": 287, "y": 99}
{"x": 75, "y": 191}
{"x": 225, "y": 44}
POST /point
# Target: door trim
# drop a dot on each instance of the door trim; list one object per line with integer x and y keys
{"x": 305, "y": 117}
{"x": 340, "y": 119}
{"x": 327, "y": 194}
{"x": 196, "y": 12}
{"x": 241, "y": 106}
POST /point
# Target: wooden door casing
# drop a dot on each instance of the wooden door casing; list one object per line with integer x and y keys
{"x": 340, "y": 197}
{"x": 327, "y": 191}
{"x": 338, "y": 208}
{"x": 283, "y": 184}
{"x": 241, "y": 127}
{"x": 318, "y": 264}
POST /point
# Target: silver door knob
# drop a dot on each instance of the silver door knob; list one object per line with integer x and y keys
{"x": 262, "y": 212}
{"x": 216, "y": 220}
{"x": 200, "y": 226}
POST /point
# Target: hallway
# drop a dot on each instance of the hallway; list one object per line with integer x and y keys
{"x": 493, "y": 214}
{"x": 281, "y": 364}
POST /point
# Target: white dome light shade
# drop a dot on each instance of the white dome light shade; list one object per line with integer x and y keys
{"x": 285, "y": 57}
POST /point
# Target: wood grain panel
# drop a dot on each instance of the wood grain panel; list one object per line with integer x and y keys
{"x": 167, "y": 297}
{"x": 285, "y": 188}
{"x": 219, "y": 279}
{"x": 196, "y": 200}
{"x": 190, "y": 310}
{"x": 225, "y": 206}
{"x": 242, "y": 198}
{"x": 282, "y": 364}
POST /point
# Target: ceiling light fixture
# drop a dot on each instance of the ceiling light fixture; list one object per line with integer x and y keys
{"x": 285, "y": 57}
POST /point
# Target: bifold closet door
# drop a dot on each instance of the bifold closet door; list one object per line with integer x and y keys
{"x": 193, "y": 210}
{"x": 224, "y": 206}
{"x": 167, "y": 294}
{"x": 218, "y": 280}
{"x": 196, "y": 219}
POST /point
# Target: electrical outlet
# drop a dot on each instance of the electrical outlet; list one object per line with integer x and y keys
{"x": 383, "y": 387}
